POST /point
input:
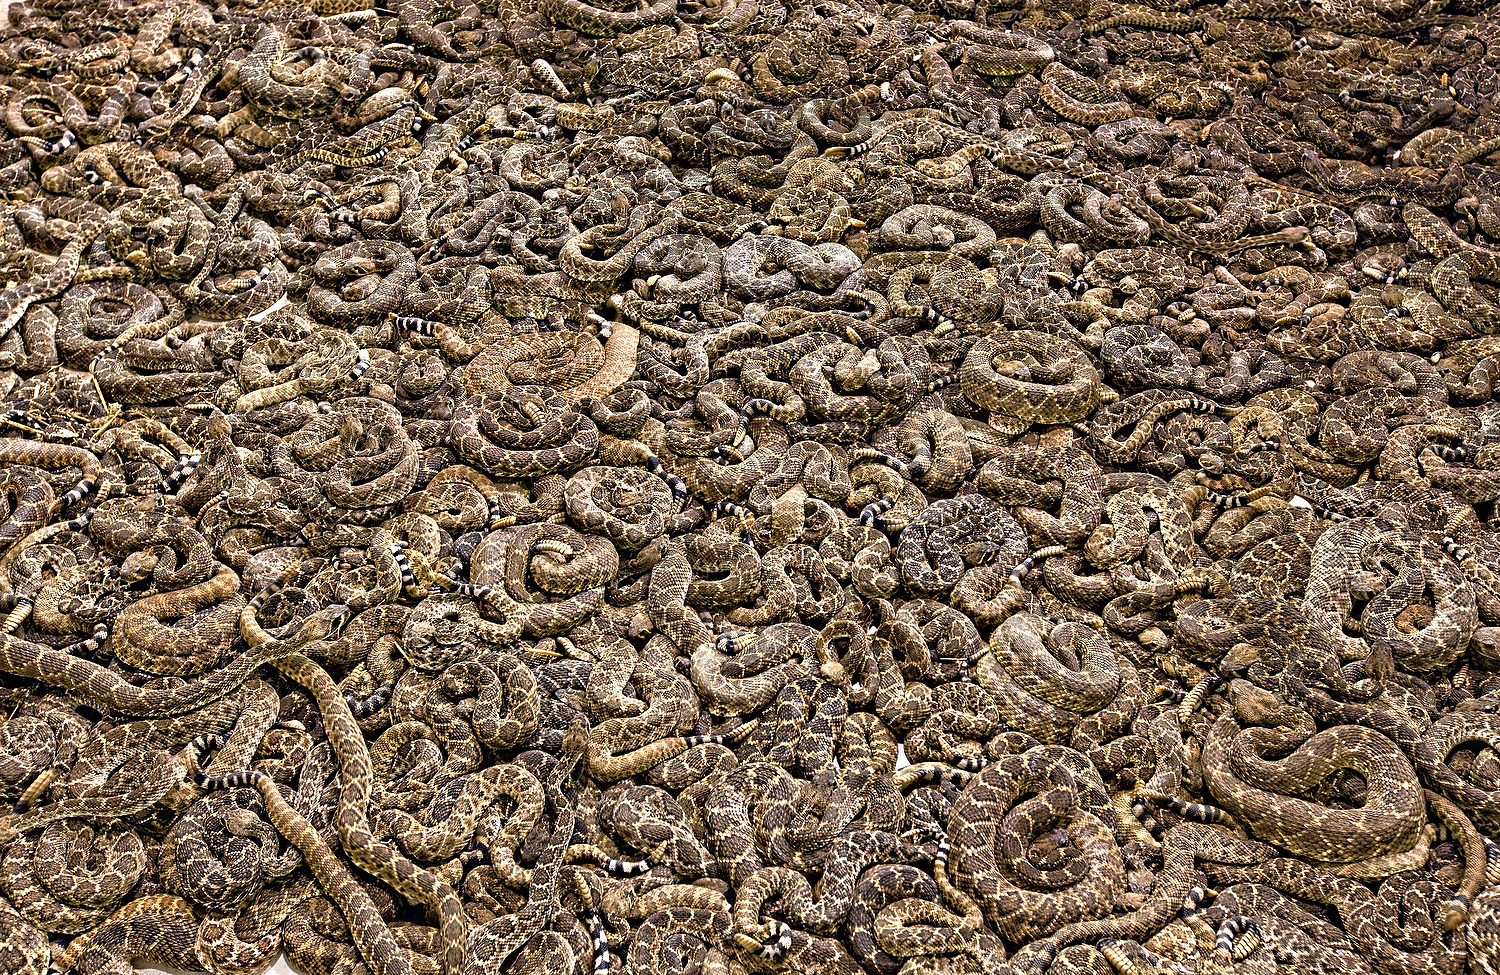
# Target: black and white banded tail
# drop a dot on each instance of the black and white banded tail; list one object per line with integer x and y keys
{"x": 601, "y": 944}
{"x": 377, "y": 700}
{"x": 180, "y": 473}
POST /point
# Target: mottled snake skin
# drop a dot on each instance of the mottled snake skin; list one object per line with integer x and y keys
{"x": 724, "y": 486}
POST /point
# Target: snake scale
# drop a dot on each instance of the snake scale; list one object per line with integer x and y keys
{"x": 711, "y": 487}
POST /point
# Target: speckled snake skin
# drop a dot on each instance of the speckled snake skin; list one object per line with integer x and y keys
{"x": 711, "y": 487}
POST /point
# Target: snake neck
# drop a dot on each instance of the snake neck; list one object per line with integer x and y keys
{"x": 618, "y": 366}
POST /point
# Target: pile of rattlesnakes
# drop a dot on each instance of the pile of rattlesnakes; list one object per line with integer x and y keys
{"x": 749, "y": 486}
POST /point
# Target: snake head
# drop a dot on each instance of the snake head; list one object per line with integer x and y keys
{"x": 322, "y": 624}
{"x": 1380, "y": 665}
